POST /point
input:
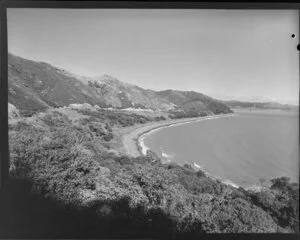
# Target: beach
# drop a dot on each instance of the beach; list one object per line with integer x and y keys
{"x": 132, "y": 138}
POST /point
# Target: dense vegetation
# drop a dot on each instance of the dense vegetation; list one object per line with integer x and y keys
{"x": 186, "y": 114}
{"x": 117, "y": 118}
{"x": 70, "y": 166}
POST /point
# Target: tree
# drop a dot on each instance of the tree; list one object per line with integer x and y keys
{"x": 281, "y": 183}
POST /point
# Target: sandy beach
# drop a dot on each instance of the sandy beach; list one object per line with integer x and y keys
{"x": 132, "y": 138}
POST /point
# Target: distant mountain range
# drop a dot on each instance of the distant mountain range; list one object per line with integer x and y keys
{"x": 261, "y": 105}
{"x": 243, "y": 98}
{"x": 37, "y": 86}
{"x": 257, "y": 102}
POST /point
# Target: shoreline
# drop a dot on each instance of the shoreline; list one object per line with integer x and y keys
{"x": 144, "y": 131}
{"x": 142, "y": 148}
{"x": 131, "y": 140}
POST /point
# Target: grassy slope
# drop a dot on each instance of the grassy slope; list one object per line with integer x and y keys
{"x": 36, "y": 86}
{"x": 71, "y": 162}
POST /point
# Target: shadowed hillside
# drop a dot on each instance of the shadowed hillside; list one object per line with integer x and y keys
{"x": 36, "y": 86}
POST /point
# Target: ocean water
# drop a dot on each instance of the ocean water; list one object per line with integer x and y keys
{"x": 238, "y": 150}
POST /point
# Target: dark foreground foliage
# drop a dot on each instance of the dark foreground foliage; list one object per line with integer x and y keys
{"x": 72, "y": 183}
{"x": 186, "y": 114}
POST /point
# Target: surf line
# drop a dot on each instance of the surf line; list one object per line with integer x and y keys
{"x": 143, "y": 149}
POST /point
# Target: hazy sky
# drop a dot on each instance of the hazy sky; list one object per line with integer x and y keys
{"x": 218, "y": 52}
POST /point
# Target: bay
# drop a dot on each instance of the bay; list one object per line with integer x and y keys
{"x": 239, "y": 150}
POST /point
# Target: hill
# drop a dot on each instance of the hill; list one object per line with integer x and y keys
{"x": 67, "y": 163}
{"x": 260, "y": 105}
{"x": 119, "y": 94}
{"x": 37, "y": 86}
{"x": 193, "y": 102}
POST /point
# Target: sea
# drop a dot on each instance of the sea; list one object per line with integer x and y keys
{"x": 238, "y": 150}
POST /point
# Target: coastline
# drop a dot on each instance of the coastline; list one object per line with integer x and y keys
{"x": 140, "y": 140}
{"x": 149, "y": 129}
{"x": 133, "y": 140}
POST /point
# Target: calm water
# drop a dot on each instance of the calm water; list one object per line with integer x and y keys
{"x": 240, "y": 149}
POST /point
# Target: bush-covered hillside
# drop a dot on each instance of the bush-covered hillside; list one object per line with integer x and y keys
{"x": 70, "y": 163}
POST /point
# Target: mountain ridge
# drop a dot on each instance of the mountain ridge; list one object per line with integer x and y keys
{"x": 24, "y": 92}
{"x": 36, "y": 86}
{"x": 261, "y": 105}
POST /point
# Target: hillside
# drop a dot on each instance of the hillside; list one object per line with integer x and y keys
{"x": 119, "y": 94}
{"x": 74, "y": 172}
{"x": 37, "y": 86}
{"x": 193, "y": 102}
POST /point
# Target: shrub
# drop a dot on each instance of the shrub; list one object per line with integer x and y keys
{"x": 280, "y": 202}
{"x": 115, "y": 117}
{"x": 200, "y": 173}
{"x": 188, "y": 166}
{"x": 28, "y": 113}
{"x": 108, "y": 137}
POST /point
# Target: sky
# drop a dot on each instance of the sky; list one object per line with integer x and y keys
{"x": 222, "y": 53}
